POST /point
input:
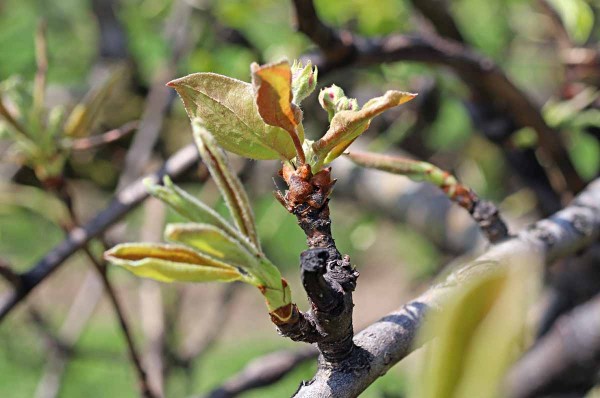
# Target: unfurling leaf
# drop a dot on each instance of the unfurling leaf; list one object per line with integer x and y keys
{"x": 230, "y": 186}
{"x": 480, "y": 331}
{"x": 168, "y": 263}
{"x": 226, "y": 106}
{"x": 187, "y": 206}
{"x": 81, "y": 119}
{"x": 346, "y": 125}
{"x": 273, "y": 89}
{"x": 418, "y": 171}
{"x": 304, "y": 81}
{"x": 211, "y": 240}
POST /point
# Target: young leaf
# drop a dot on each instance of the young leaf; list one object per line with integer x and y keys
{"x": 230, "y": 186}
{"x": 346, "y": 125}
{"x": 418, "y": 171}
{"x": 304, "y": 81}
{"x": 273, "y": 87}
{"x": 188, "y": 206}
{"x": 212, "y": 241}
{"x": 169, "y": 263}
{"x": 226, "y": 106}
{"x": 479, "y": 332}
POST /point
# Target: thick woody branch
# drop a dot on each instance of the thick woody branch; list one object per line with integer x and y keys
{"x": 392, "y": 338}
{"x": 328, "y": 279}
{"x": 572, "y": 345}
{"x": 123, "y": 203}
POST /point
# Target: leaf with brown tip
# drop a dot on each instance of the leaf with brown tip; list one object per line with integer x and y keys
{"x": 169, "y": 263}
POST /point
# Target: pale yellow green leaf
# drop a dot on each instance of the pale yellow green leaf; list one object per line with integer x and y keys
{"x": 170, "y": 263}
{"x": 226, "y": 106}
{"x": 213, "y": 241}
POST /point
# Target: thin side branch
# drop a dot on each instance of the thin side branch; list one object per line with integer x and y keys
{"x": 263, "y": 371}
{"x": 125, "y": 201}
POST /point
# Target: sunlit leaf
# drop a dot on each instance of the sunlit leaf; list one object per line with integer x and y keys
{"x": 212, "y": 241}
{"x": 273, "y": 87}
{"x": 169, "y": 263}
{"x": 230, "y": 186}
{"x": 226, "y": 106}
{"x": 347, "y": 125}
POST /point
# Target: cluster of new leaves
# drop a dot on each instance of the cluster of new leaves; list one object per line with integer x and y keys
{"x": 43, "y": 139}
{"x": 262, "y": 120}
{"x": 208, "y": 248}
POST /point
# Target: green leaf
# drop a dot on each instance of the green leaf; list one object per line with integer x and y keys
{"x": 304, "y": 81}
{"x": 230, "y": 186}
{"x": 479, "y": 331}
{"x": 577, "y": 16}
{"x": 186, "y": 205}
{"x": 346, "y": 125}
{"x": 81, "y": 119}
{"x": 211, "y": 240}
{"x": 227, "y": 108}
{"x": 169, "y": 263}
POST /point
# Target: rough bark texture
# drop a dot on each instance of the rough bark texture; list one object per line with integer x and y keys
{"x": 327, "y": 277}
{"x": 390, "y": 339}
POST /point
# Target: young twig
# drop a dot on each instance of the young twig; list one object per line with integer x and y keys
{"x": 485, "y": 213}
{"x": 263, "y": 371}
{"x": 95, "y": 141}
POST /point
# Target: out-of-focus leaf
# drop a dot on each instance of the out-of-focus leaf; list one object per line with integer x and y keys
{"x": 347, "y": 125}
{"x": 304, "y": 81}
{"x": 81, "y": 119}
{"x": 36, "y": 200}
{"x": 577, "y": 16}
{"x": 212, "y": 241}
{"x": 479, "y": 332}
{"x": 273, "y": 87}
{"x": 169, "y": 263}
{"x": 585, "y": 153}
{"x": 559, "y": 113}
{"x": 226, "y": 106}
{"x": 230, "y": 186}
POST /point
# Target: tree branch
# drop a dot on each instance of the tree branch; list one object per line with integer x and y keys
{"x": 263, "y": 371}
{"x": 487, "y": 81}
{"x": 392, "y": 338}
{"x": 125, "y": 201}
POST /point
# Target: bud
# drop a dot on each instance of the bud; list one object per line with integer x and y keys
{"x": 304, "y": 81}
{"x": 329, "y": 98}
